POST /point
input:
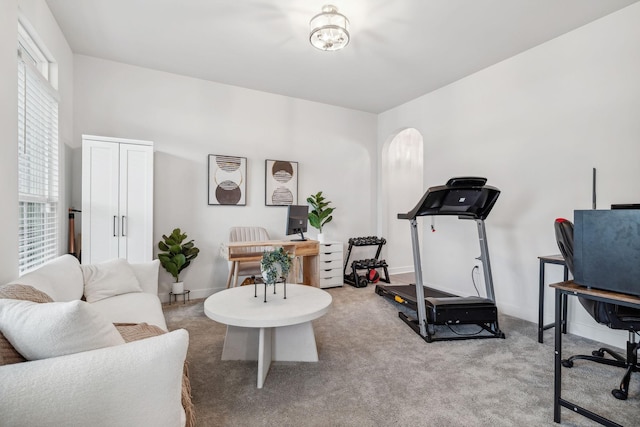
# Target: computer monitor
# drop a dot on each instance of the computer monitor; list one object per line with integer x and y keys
{"x": 297, "y": 217}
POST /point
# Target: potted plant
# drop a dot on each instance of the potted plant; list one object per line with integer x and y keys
{"x": 274, "y": 265}
{"x": 320, "y": 213}
{"x": 176, "y": 256}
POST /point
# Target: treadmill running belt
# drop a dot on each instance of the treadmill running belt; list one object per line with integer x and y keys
{"x": 406, "y": 294}
{"x": 409, "y": 291}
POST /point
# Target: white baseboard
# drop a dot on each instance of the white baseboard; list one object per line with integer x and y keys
{"x": 400, "y": 270}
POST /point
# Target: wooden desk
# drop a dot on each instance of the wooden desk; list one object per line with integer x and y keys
{"x": 570, "y": 288}
{"x": 236, "y": 252}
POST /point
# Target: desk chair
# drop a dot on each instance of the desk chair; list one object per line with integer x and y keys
{"x": 614, "y": 316}
{"x": 245, "y": 268}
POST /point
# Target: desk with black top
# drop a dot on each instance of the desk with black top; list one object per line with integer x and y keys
{"x": 563, "y": 289}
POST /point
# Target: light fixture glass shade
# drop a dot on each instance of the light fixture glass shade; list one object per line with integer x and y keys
{"x": 329, "y": 29}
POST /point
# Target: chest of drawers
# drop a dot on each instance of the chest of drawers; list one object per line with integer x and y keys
{"x": 330, "y": 264}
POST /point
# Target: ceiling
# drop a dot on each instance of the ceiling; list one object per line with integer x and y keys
{"x": 399, "y": 49}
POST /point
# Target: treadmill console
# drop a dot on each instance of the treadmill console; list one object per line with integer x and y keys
{"x": 466, "y": 197}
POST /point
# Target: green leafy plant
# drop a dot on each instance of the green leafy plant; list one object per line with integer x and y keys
{"x": 175, "y": 255}
{"x": 272, "y": 258}
{"x": 321, "y": 211}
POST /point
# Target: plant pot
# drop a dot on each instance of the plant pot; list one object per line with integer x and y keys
{"x": 320, "y": 237}
{"x": 177, "y": 288}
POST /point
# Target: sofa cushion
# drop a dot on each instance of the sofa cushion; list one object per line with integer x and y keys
{"x": 137, "y": 307}
{"x": 109, "y": 278}
{"x": 60, "y": 278}
{"x": 8, "y": 353}
{"x": 136, "y": 384}
{"x": 138, "y": 331}
{"x": 40, "y": 331}
{"x": 147, "y": 275}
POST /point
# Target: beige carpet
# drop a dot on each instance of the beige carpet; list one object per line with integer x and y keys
{"x": 375, "y": 371}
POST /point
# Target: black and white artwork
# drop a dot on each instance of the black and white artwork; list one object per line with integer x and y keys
{"x": 281, "y": 183}
{"x": 227, "y": 180}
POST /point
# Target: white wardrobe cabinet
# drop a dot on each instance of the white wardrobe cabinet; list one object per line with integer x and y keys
{"x": 117, "y": 199}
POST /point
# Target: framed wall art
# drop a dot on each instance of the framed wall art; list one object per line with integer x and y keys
{"x": 281, "y": 183}
{"x": 227, "y": 180}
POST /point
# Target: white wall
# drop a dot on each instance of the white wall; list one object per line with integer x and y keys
{"x": 535, "y": 125}
{"x": 401, "y": 187}
{"x": 39, "y": 18}
{"x": 189, "y": 118}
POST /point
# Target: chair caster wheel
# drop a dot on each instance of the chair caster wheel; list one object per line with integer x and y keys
{"x": 619, "y": 394}
{"x": 597, "y": 353}
{"x": 567, "y": 363}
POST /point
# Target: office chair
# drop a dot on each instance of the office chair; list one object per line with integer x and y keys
{"x": 246, "y": 268}
{"x": 612, "y": 315}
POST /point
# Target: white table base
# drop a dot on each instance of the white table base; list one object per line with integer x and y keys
{"x": 277, "y": 330}
{"x": 294, "y": 343}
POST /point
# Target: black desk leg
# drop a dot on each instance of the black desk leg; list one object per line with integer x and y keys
{"x": 541, "y": 326}
{"x": 558, "y": 401}
{"x": 541, "y": 302}
{"x": 564, "y": 303}
{"x": 557, "y": 376}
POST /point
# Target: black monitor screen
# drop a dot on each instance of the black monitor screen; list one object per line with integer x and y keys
{"x": 297, "y": 216}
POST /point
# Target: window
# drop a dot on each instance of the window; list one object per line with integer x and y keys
{"x": 37, "y": 157}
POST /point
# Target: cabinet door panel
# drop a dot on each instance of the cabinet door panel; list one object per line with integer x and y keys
{"x": 100, "y": 217}
{"x": 136, "y": 202}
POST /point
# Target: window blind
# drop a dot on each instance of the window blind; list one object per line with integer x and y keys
{"x": 37, "y": 169}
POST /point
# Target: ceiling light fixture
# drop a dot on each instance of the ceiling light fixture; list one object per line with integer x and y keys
{"x": 329, "y": 29}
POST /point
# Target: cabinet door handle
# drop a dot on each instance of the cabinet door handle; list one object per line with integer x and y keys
{"x": 123, "y": 226}
{"x": 115, "y": 226}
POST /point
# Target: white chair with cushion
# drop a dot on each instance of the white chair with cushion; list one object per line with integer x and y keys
{"x": 245, "y": 268}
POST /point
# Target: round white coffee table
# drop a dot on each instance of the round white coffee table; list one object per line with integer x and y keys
{"x": 277, "y": 330}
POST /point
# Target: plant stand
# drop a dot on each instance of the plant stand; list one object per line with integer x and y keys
{"x": 257, "y": 280}
{"x": 185, "y": 296}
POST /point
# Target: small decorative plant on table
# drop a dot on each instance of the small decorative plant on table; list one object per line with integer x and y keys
{"x": 320, "y": 214}
{"x": 176, "y": 256}
{"x": 275, "y": 266}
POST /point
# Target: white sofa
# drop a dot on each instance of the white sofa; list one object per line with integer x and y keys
{"x": 135, "y": 384}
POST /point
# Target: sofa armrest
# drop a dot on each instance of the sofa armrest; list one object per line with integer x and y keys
{"x": 136, "y": 384}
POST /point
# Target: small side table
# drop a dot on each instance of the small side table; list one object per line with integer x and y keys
{"x": 558, "y": 260}
{"x": 185, "y": 296}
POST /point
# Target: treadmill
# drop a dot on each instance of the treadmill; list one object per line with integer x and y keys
{"x": 466, "y": 198}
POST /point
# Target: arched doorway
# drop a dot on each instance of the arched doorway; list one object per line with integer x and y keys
{"x": 402, "y": 186}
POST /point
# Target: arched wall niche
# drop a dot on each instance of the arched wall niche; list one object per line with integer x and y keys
{"x": 402, "y": 185}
